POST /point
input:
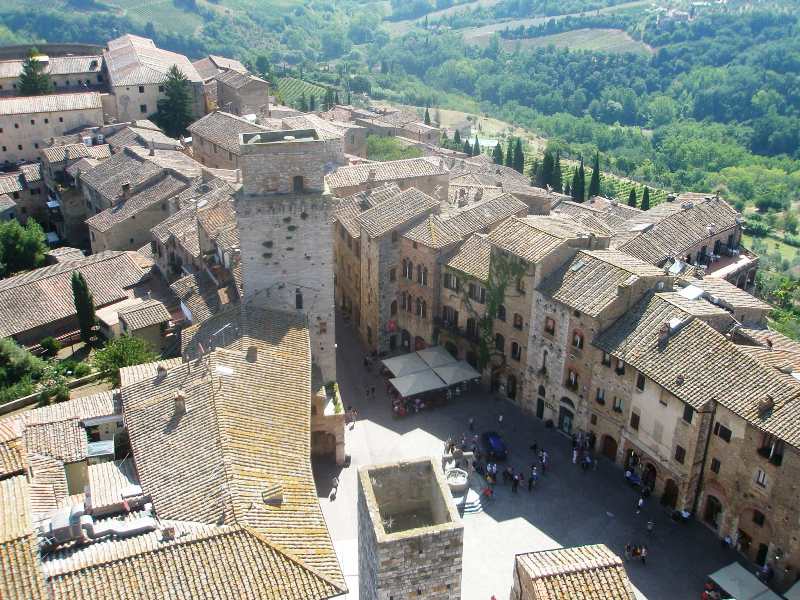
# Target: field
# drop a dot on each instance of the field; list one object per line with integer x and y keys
{"x": 482, "y": 35}
{"x": 398, "y": 28}
{"x": 599, "y": 40}
{"x": 292, "y": 89}
{"x": 613, "y": 186}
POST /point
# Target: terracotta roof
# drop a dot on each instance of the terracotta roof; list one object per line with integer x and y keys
{"x": 68, "y": 152}
{"x": 55, "y": 65}
{"x": 31, "y": 172}
{"x": 611, "y": 222}
{"x": 10, "y": 183}
{"x": 44, "y": 295}
{"x": 82, "y": 165}
{"x": 164, "y": 186}
{"x": 473, "y": 257}
{"x": 210, "y": 65}
{"x": 697, "y": 307}
{"x": 769, "y": 338}
{"x": 671, "y": 228}
{"x": 223, "y": 129}
{"x": 12, "y": 448}
{"x": 134, "y": 135}
{"x": 19, "y": 547}
{"x": 28, "y": 105}
{"x": 238, "y": 80}
{"x": 134, "y": 60}
{"x": 6, "y": 203}
{"x": 109, "y": 481}
{"x": 346, "y": 212}
{"x": 393, "y": 170}
{"x": 486, "y": 173}
{"x": 124, "y": 167}
{"x": 396, "y": 211}
{"x": 136, "y": 373}
{"x": 698, "y": 364}
{"x": 144, "y": 314}
{"x": 591, "y": 281}
{"x": 202, "y": 563}
{"x": 56, "y": 430}
{"x": 534, "y": 237}
{"x": 726, "y": 294}
{"x": 198, "y": 293}
{"x": 48, "y": 486}
{"x": 238, "y": 439}
{"x": 584, "y": 572}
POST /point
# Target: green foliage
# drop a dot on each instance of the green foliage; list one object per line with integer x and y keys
{"x": 594, "y": 182}
{"x": 33, "y": 81}
{"x": 557, "y": 182}
{"x": 518, "y": 160}
{"x": 124, "y": 351}
{"x": 632, "y": 198}
{"x": 497, "y": 154}
{"x": 21, "y": 247}
{"x": 84, "y": 306}
{"x": 175, "y": 109}
{"x": 646, "y": 199}
{"x": 389, "y": 148}
{"x": 19, "y": 370}
{"x": 427, "y": 119}
{"x": 50, "y": 345}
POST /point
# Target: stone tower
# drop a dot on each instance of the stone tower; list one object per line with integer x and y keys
{"x": 283, "y": 215}
{"x": 410, "y": 537}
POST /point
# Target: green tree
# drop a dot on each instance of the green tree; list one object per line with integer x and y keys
{"x": 33, "y": 81}
{"x": 457, "y": 139}
{"x": 646, "y": 199}
{"x": 262, "y": 65}
{"x": 510, "y": 153}
{"x": 467, "y": 148}
{"x": 303, "y": 102}
{"x": 124, "y": 351}
{"x": 579, "y": 184}
{"x": 519, "y": 157}
{"x": 84, "y": 305}
{"x": 175, "y": 108}
{"x": 632, "y": 198}
{"x": 476, "y": 146}
{"x": 594, "y": 182}
{"x": 427, "y": 116}
{"x": 497, "y": 154}
{"x": 21, "y": 248}
{"x": 557, "y": 182}
{"x": 312, "y": 103}
{"x": 545, "y": 177}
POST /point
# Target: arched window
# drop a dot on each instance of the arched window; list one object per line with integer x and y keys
{"x": 404, "y": 267}
{"x": 542, "y": 391}
{"x": 419, "y": 307}
{"x": 419, "y": 274}
{"x": 403, "y": 300}
{"x": 577, "y": 339}
{"x": 298, "y": 299}
{"x": 410, "y": 273}
{"x": 410, "y": 304}
{"x": 499, "y": 343}
{"x": 516, "y": 351}
{"x": 424, "y": 314}
{"x": 501, "y": 312}
{"x": 517, "y": 321}
{"x": 425, "y": 276}
{"x": 393, "y": 308}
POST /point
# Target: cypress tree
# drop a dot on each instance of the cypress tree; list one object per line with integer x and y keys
{"x": 546, "y": 171}
{"x": 497, "y": 154}
{"x": 535, "y": 172}
{"x": 303, "y": 102}
{"x": 568, "y": 190}
{"x": 476, "y": 146}
{"x": 594, "y": 183}
{"x": 33, "y": 81}
{"x": 510, "y": 153}
{"x": 580, "y": 193}
{"x": 175, "y": 108}
{"x": 557, "y": 183}
{"x": 574, "y": 185}
{"x": 646, "y": 199}
{"x": 632, "y": 198}
{"x": 427, "y": 116}
{"x": 457, "y": 139}
{"x": 336, "y": 97}
{"x": 312, "y": 103}
{"x": 519, "y": 157}
{"x": 467, "y": 148}
{"x": 84, "y": 305}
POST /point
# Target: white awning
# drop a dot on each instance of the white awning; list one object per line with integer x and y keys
{"x": 405, "y": 364}
{"x": 417, "y": 383}
{"x": 741, "y": 584}
{"x": 457, "y": 372}
{"x": 436, "y": 356}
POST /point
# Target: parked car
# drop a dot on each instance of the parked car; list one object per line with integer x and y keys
{"x": 493, "y": 446}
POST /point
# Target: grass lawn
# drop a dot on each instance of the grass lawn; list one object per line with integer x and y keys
{"x": 787, "y": 252}
{"x": 599, "y": 40}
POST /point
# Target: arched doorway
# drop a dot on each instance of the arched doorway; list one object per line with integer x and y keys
{"x": 511, "y": 387}
{"x": 713, "y": 511}
{"x": 542, "y": 393}
{"x": 419, "y": 343}
{"x": 609, "y": 448}
{"x": 670, "y": 496}
{"x": 405, "y": 340}
{"x": 496, "y": 381}
{"x": 649, "y": 475}
{"x": 566, "y": 416}
{"x": 297, "y": 184}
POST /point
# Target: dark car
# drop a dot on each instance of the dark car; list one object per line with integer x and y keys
{"x": 493, "y": 446}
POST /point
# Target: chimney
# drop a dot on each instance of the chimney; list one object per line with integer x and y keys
{"x": 168, "y": 533}
{"x": 126, "y": 190}
{"x": 765, "y": 406}
{"x": 671, "y": 197}
{"x": 663, "y": 333}
{"x": 252, "y": 354}
{"x": 161, "y": 372}
{"x": 180, "y": 403}
{"x": 769, "y": 343}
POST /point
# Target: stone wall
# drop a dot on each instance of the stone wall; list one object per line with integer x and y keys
{"x": 422, "y": 561}
{"x": 244, "y": 100}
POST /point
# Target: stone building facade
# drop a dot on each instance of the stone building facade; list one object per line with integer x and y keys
{"x": 409, "y": 532}
{"x": 283, "y": 219}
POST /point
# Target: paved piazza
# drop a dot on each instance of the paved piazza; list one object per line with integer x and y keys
{"x": 569, "y": 507}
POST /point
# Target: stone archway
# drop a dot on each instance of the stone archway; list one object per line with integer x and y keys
{"x": 649, "y": 476}
{"x": 670, "y": 496}
{"x": 712, "y": 513}
{"x": 609, "y": 447}
{"x": 566, "y": 416}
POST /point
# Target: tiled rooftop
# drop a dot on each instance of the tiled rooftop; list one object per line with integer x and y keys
{"x": 27, "y": 105}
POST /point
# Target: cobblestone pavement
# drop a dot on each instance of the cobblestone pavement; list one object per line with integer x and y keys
{"x": 569, "y": 507}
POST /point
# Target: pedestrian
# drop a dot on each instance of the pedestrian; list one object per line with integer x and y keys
{"x": 471, "y": 424}
{"x": 334, "y": 487}
{"x": 643, "y": 554}
{"x": 544, "y": 461}
{"x": 640, "y": 505}
{"x": 574, "y": 442}
{"x": 650, "y": 526}
{"x": 574, "y": 455}
{"x": 500, "y": 420}
{"x": 627, "y": 552}
{"x": 514, "y": 483}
